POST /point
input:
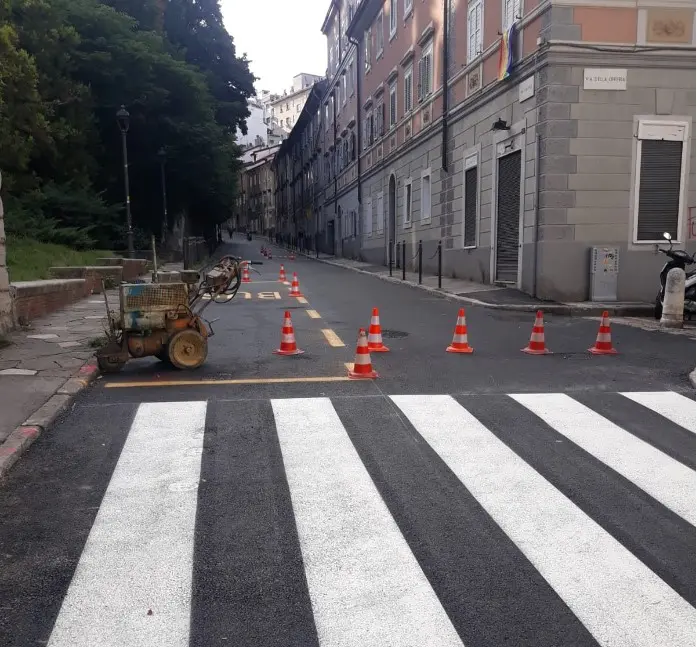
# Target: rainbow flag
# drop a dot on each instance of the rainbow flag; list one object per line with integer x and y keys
{"x": 506, "y": 49}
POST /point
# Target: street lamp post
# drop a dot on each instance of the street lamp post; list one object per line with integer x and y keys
{"x": 162, "y": 156}
{"x": 123, "y": 120}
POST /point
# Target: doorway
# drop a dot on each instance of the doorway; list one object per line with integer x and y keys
{"x": 508, "y": 218}
{"x": 330, "y": 237}
{"x": 391, "y": 217}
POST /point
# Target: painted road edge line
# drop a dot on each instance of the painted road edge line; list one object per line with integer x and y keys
{"x": 313, "y": 314}
{"x": 258, "y": 380}
{"x": 332, "y": 338}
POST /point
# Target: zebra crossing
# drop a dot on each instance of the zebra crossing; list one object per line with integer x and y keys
{"x": 522, "y": 519}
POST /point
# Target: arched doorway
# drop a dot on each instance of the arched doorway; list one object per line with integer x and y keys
{"x": 392, "y": 215}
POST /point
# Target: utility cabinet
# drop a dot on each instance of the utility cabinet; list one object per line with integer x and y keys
{"x": 604, "y": 269}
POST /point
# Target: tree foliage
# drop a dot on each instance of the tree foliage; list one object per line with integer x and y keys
{"x": 66, "y": 66}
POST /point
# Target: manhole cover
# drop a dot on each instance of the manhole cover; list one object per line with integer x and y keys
{"x": 394, "y": 334}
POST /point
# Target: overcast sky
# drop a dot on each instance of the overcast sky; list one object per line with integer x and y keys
{"x": 281, "y": 38}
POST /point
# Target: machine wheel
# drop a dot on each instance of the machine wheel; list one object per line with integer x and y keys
{"x": 110, "y": 363}
{"x": 163, "y": 355}
{"x": 187, "y": 349}
{"x": 658, "y": 307}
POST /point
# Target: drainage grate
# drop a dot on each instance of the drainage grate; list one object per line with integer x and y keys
{"x": 394, "y": 334}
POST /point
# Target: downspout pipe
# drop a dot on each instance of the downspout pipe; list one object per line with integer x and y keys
{"x": 446, "y": 63}
{"x": 359, "y": 131}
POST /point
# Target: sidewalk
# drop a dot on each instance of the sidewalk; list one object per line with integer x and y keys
{"x": 43, "y": 365}
{"x": 487, "y": 296}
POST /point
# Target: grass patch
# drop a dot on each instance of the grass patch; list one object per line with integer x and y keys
{"x": 29, "y": 260}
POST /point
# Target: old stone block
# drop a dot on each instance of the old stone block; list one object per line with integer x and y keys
{"x": 599, "y": 181}
{"x": 555, "y": 74}
{"x": 558, "y": 94}
{"x": 596, "y": 216}
{"x": 558, "y": 128}
{"x": 596, "y": 146}
{"x": 604, "y": 199}
{"x": 603, "y": 164}
{"x": 605, "y": 233}
{"x": 604, "y": 112}
{"x": 552, "y": 216}
{"x": 558, "y": 164}
{"x": 530, "y": 169}
{"x": 557, "y": 199}
{"x": 550, "y": 110}
{"x": 554, "y": 182}
{"x": 556, "y": 146}
{"x": 557, "y": 232}
{"x": 605, "y": 129}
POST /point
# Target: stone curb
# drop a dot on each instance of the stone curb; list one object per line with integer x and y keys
{"x": 23, "y": 436}
{"x": 552, "y": 308}
{"x": 692, "y": 377}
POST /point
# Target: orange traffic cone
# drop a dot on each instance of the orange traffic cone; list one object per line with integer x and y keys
{"x": 362, "y": 366}
{"x": 603, "y": 342}
{"x": 245, "y": 274}
{"x": 536, "y": 345}
{"x": 282, "y": 274}
{"x": 288, "y": 345}
{"x": 459, "y": 343}
{"x": 295, "y": 287}
{"x": 375, "y": 344}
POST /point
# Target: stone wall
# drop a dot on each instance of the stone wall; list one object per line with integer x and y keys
{"x": 6, "y": 320}
{"x": 34, "y": 299}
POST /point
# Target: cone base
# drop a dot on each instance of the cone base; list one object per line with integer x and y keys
{"x": 600, "y": 351}
{"x": 246, "y": 281}
{"x": 297, "y": 351}
{"x": 378, "y": 349}
{"x": 452, "y": 349}
{"x": 363, "y": 376}
{"x": 535, "y": 351}
{"x": 299, "y": 294}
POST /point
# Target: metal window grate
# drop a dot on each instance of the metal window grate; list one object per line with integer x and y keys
{"x": 470, "y": 207}
{"x": 659, "y": 189}
{"x": 508, "y": 218}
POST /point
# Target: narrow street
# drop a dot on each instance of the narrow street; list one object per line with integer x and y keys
{"x": 489, "y": 499}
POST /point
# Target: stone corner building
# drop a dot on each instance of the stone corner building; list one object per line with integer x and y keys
{"x": 521, "y": 134}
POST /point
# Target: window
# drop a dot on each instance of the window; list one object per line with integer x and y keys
{"x": 298, "y": 107}
{"x": 393, "y": 18}
{"x": 660, "y": 179}
{"x": 407, "y": 202}
{"x": 368, "y": 217}
{"x": 426, "y": 72}
{"x": 426, "y": 196}
{"x": 408, "y": 5}
{"x": 510, "y": 13}
{"x": 380, "y": 216}
{"x": 367, "y": 39}
{"x": 393, "y": 104}
{"x": 474, "y": 30}
{"x": 380, "y": 118}
{"x": 379, "y": 35}
{"x": 470, "y": 201}
{"x": 351, "y": 72}
{"x": 408, "y": 89}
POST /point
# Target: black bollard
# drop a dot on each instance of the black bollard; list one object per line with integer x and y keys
{"x": 389, "y": 257}
{"x": 404, "y": 260}
{"x": 420, "y": 259}
{"x": 440, "y": 264}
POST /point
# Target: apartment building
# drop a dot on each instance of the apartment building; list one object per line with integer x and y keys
{"x": 256, "y": 202}
{"x": 521, "y": 134}
{"x": 285, "y": 108}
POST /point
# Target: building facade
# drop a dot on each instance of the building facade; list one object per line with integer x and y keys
{"x": 256, "y": 202}
{"x": 284, "y": 109}
{"x": 521, "y": 134}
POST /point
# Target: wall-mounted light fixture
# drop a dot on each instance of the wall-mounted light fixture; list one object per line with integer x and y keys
{"x": 500, "y": 124}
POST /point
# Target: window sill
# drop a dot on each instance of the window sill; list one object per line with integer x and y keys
{"x": 409, "y": 13}
{"x": 393, "y": 34}
{"x": 425, "y": 221}
{"x": 407, "y": 225}
{"x": 470, "y": 247}
{"x": 655, "y": 242}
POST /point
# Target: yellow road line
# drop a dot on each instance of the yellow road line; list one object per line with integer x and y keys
{"x": 313, "y": 314}
{"x": 302, "y": 300}
{"x": 259, "y": 380}
{"x": 332, "y": 338}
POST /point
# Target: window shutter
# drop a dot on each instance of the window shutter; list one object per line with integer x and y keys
{"x": 659, "y": 189}
{"x": 428, "y": 71}
{"x": 470, "y": 217}
{"x": 382, "y": 119}
{"x": 420, "y": 91}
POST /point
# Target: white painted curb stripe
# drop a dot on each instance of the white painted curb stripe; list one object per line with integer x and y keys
{"x": 366, "y": 587}
{"x": 139, "y": 553}
{"x": 619, "y": 599}
{"x": 677, "y": 408}
{"x": 659, "y": 475}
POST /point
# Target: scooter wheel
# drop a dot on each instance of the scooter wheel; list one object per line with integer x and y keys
{"x": 658, "y": 308}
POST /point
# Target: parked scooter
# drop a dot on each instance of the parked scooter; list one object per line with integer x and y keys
{"x": 677, "y": 258}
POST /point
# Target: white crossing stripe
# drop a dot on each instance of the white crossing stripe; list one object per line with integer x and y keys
{"x": 366, "y": 587}
{"x": 659, "y": 475}
{"x": 619, "y": 600}
{"x": 139, "y": 553}
{"x": 677, "y": 408}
